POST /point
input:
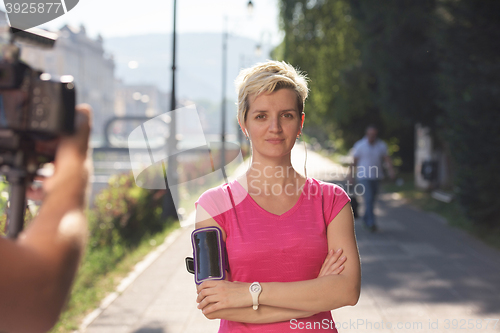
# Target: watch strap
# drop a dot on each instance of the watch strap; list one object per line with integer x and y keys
{"x": 255, "y": 294}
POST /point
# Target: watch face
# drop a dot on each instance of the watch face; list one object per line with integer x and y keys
{"x": 255, "y": 288}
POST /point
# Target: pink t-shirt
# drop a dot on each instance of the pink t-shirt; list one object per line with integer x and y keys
{"x": 265, "y": 247}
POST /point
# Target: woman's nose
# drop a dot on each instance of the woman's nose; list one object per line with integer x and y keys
{"x": 275, "y": 125}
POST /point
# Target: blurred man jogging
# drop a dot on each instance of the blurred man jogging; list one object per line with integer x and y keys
{"x": 369, "y": 154}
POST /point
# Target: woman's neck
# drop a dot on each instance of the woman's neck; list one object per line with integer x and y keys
{"x": 273, "y": 172}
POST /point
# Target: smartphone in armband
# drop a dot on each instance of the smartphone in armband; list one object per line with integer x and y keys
{"x": 209, "y": 260}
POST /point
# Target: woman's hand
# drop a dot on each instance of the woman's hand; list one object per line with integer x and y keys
{"x": 334, "y": 263}
{"x": 218, "y": 295}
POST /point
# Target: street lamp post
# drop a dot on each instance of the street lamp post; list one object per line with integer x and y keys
{"x": 224, "y": 80}
{"x": 223, "y": 106}
{"x": 170, "y": 173}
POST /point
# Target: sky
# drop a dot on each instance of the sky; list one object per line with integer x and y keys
{"x": 112, "y": 18}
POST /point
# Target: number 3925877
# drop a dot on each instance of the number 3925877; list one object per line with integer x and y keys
{"x": 33, "y": 7}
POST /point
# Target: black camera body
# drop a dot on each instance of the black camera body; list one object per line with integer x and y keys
{"x": 32, "y": 104}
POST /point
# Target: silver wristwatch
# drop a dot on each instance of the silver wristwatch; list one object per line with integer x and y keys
{"x": 255, "y": 290}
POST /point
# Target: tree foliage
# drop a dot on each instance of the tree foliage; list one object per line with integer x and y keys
{"x": 395, "y": 63}
{"x": 369, "y": 63}
{"x": 468, "y": 32}
{"x": 320, "y": 38}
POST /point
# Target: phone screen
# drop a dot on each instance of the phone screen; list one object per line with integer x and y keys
{"x": 208, "y": 263}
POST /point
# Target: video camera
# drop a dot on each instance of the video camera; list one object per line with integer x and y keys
{"x": 34, "y": 108}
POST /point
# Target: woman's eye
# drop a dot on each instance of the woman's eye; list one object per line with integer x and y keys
{"x": 288, "y": 115}
{"x": 260, "y": 116}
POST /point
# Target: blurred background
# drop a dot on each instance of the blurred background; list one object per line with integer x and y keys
{"x": 426, "y": 73}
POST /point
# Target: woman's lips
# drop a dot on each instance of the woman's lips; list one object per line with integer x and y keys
{"x": 275, "y": 141}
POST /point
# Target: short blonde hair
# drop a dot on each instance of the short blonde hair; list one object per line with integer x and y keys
{"x": 268, "y": 77}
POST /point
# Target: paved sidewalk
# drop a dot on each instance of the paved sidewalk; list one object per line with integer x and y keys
{"x": 160, "y": 300}
{"x": 419, "y": 275}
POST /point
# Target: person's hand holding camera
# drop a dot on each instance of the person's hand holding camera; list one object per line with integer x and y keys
{"x": 70, "y": 156}
{"x": 39, "y": 267}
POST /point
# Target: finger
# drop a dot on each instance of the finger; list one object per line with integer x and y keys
{"x": 83, "y": 121}
{"x": 211, "y": 308}
{"x": 330, "y": 262}
{"x": 206, "y": 301}
{"x": 79, "y": 140}
{"x": 204, "y": 293}
{"x": 205, "y": 284}
{"x": 338, "y": 270}
{"x": 335, "y": 266}
{"x": 332, "y": 255}
{"x": 333, "y": 258}
{"x": 83, "y": 124}
{"x": 328, "y": 256}
{"x": 85, "y": 109}
{"x": 76, "y": 145}
{"x": 333, "y": 270}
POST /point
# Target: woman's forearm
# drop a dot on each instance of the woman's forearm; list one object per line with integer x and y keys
{"x": 316, "y": 295}
{"x": 324, "y": 293}
{"x": 263, "y": 315}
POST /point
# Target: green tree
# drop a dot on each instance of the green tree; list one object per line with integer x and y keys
{"x": 369, "y": 63}
{"x": 320, "y": 38}
{"x": 468, "y": 32}
{"x": 399, "y": 58}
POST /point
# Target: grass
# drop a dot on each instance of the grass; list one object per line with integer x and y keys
{"x": 452, "y": 212}
{"x": 91, "y": 286}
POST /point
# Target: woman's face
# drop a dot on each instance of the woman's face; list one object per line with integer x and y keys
{"x": 273, "y": 123}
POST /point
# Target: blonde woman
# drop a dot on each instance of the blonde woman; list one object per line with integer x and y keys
{"x": 290, "y": 239}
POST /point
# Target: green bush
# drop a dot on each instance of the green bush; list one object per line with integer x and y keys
{"x": 124, "y": 214}
{"x": 4, "y": 190}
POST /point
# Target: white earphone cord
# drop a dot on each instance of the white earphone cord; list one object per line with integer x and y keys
{"x": 305, "y": 161}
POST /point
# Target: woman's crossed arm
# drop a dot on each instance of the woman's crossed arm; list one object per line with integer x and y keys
{"x": 281, "y": 301}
